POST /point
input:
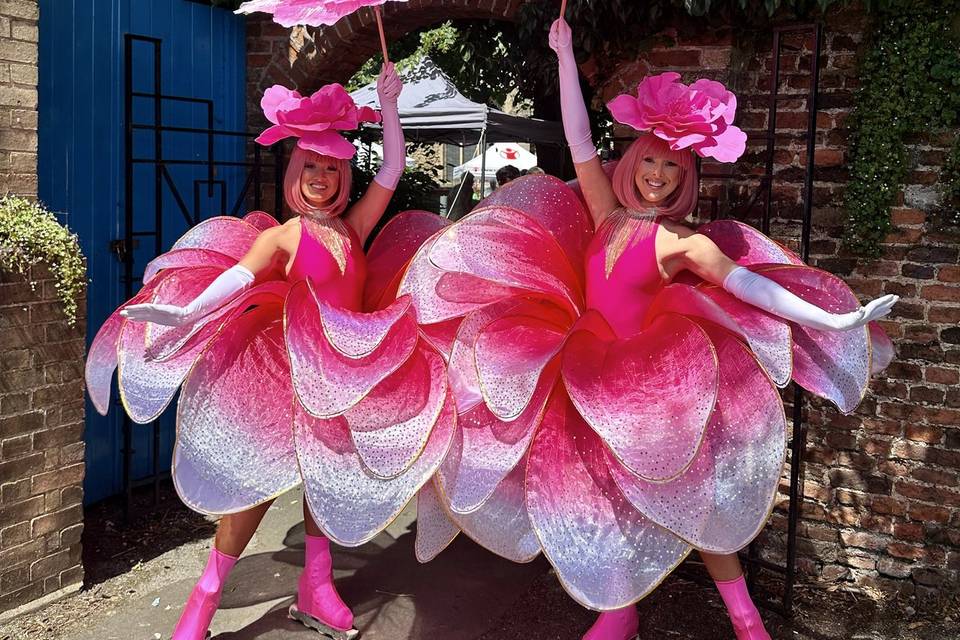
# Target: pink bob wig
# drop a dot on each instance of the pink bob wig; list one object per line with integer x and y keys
{"x": 294, "y": 195}
{"x": 678, "y": 204}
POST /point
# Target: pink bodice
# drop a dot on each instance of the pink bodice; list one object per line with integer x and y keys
{"x": 621, "y": 271}
{"x": 330, "y": 255}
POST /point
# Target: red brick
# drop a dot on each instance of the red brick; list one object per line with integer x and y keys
{"x": 905, "y": 551}
{"x": 909, "y": 531}
{"x": 58, "y": 478}
{"x": 923, "y": 433}
{"x": 672, "y": 58}
{"x": 928, "y": 513}
{"x": 941, "y": 375}
{"x": 948, "y": 274}
{"x": 934, "y": 476}
{"x": 941, "y": 292}
{"x": 907, "y": 216}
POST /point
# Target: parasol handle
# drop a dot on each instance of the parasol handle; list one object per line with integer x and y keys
{"x": 563, "y": 8}
{"x": 383, "y": 38}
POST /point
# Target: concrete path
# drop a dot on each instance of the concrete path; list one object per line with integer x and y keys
{"x": 458, "y": 596}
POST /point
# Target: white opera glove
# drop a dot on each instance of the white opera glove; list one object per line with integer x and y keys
{"x": 766, "y": 294}
{"x": 234, "y": 279}
{"x": 394, "y": 149}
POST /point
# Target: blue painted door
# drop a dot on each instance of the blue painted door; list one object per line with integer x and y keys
{"x": 81, "y": 155}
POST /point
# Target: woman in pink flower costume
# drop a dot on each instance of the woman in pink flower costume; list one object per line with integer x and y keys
{"x": 617, "y": 390}
{"x": 286, "y": 374}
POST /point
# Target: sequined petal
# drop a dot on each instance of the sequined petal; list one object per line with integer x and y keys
{"x": 357, "y": 335}
{"x": 186, "y": 258}
{"x": 391, "y": 425}
{"x": 235, "y": 442}
{"x": 392, "y": 250}
{"x": 650, "y": 396}
{"x": 606, "y": 553}
{"x": 554, "y": 205}
{"x": 349, "y": 504}
{"x": 831, "y": 364}
{"x": 745, "y": 245}
{"x": 441, "y": 335}
{"x": 768, "y": 337}
{"x": 511, "y": 353}
{"x": 326, "y": 381}
{"x": 502, "y": 524}
{"x": 502, "y": 245}
{"x": 228, "y": 235}
{"x": 490, "y": 448}
{"x": 435, "y": 530}
{"x": 722, "y": 500}
{"x": 261, "y": 220}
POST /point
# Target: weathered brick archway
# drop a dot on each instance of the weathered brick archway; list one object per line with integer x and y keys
{"x": 305, "y": 59}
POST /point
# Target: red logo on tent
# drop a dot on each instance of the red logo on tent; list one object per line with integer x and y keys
{"x": 509, "y": 154}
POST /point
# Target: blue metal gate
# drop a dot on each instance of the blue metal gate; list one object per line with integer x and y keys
{"x": 198, "y": 51}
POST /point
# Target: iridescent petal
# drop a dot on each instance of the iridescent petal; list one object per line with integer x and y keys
{"x": 226, "y": 234}
{"x": 722, "y": 500}
{"x": 392, "y": 423}
{"x": 650, "y": 396}
{"x": 435, "y": 530}
{"x": 349, "y": 504}
{"x": 186, "y": 258}
{"x": 882, "y": 349}
{"x": 235, "y": 442}
{"x": 606, "y": 553}
{"x": 261, "y": 220}
{"x": 326, "y": 381}
{"x": 745, "y": 245}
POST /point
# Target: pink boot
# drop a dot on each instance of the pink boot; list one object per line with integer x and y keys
{"x": 619, "y": 624}
{"x": 204, "y": 599}
{"x": 318, "y": 604}
{"x": 746, "y": 620}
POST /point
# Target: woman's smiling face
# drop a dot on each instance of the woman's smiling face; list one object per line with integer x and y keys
{"x": 319, "y": 181}
{"x": 656, "y": 178}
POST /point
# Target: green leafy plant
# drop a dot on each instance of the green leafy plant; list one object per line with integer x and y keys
{"x": 29, "y": 235}
{"x": 948, "y": 214}
{"x": 910, "y": 83}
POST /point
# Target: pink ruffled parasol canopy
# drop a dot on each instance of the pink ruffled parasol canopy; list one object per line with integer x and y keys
{"x": 316, "y": 120}
{"x": 699, "y": 116}
{"x": 311, "y": 13}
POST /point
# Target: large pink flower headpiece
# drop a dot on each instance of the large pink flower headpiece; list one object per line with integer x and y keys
{"x": 699, "y": 116}
{"x": 315, "y": 120}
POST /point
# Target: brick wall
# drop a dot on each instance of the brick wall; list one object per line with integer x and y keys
{"x": 18, "y": 96}
{"x": 41, "y": 442}
{"x": 41, "y": 369}
{"x": 881, "y": 499}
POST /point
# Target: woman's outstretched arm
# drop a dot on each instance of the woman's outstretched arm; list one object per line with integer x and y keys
{"x": 594, "y": 183}
{"x": 679, "y": 248}
{"x": 364, "y": 215}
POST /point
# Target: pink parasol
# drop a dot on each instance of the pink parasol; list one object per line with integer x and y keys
{"x": 315, "y": 13}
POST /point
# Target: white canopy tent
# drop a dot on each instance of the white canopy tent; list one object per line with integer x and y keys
{"x": 500, "y": 154}
{"x": 433, "y": 110}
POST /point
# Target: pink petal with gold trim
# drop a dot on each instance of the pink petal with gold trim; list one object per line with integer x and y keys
{"x": 261, "y": 220}
{"x": 355, "y": 334}
{"x": 745, "y": 245}
{"x": 392, "y": 250}
{"x": 506, "y": 247}
{"x": 650, "y": 396}
{"x": 390, "y": 426}
{"x": 225, "y": 234}
{"x": 831, "y": 364}
{"x": 554, "y": 205}
{"x": 768, "y": 337}
{"x": 326, "y": 381}
{"x": 350, "y": 505}
{"x": 490, "y": 448}
{"x": 441, "y": 335}
{"x": 146, "y": 385}
{"x": 606, "y": 553}
{"x": 502, "y": 524}
{"x": 179, "y": 258}
{"x": 435, "y": 529}
{"x": 511, "y": 353}
{"x": 722, "y": 500}
{"x": 234, "y": 442}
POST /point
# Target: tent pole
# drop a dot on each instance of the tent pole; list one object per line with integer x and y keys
{"x": 483, "y": 163}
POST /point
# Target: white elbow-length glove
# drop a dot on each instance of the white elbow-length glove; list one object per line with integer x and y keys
{"x": 766, "y": 294}
{"x": 234, "y": 279}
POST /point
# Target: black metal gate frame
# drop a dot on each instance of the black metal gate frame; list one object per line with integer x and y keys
{"x": 798, "y": 441}
{"x": 124, "y": 247}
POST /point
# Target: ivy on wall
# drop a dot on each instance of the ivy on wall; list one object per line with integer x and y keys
{"x": 909, "y": 83}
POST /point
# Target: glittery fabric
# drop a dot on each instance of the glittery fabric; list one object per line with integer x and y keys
{"x": 435, "y": 530}
{"x": 253, "y": 371}
{"x": 664, "y": 430}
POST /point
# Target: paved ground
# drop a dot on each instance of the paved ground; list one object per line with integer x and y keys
{"x": 140, "y": 575}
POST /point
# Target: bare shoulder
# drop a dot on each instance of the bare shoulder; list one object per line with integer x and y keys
{"x": 281, "y": 236}
{"x": 677, "y": 229}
